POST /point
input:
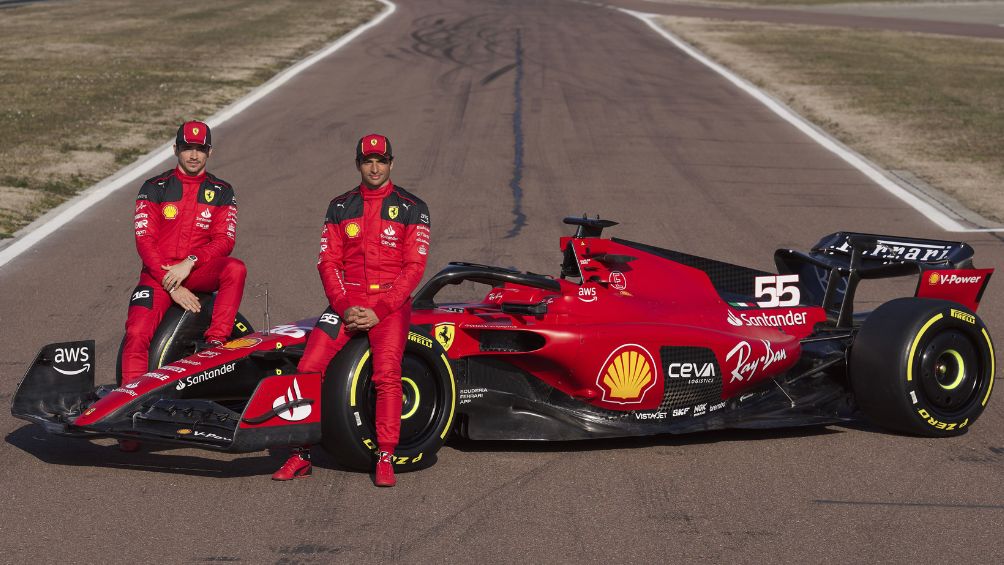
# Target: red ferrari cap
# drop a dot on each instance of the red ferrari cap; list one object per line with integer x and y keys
{"x": 373, "y": 144}
{"x": 195, "y": 133}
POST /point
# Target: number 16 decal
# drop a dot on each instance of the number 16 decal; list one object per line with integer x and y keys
{"x": 777, "y": 290}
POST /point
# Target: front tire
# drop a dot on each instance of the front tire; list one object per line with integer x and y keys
{"x": 348, "y": 398}
{"x": 923, "y": 367}
{"x": 177, "y": 332}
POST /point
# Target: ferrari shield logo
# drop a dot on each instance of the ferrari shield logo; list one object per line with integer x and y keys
{"x": 392, "y": 212}
{"x": 209, "y": 194}
{"x": 444, "y": 334}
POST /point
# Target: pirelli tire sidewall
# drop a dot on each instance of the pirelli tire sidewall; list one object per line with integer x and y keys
{"x": 178, "y": 329}
{"x": 348, "y": 432}
{"x": 923, "y": 367}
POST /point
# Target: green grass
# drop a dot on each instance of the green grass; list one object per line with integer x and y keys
{"x": 92, "y": 84}
{"x": 946, "y": 89}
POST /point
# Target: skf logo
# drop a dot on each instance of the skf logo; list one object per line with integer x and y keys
{"x": 170, "y": 211}
{"x": 352, "y": 229}
{"x": 627, "y": 375}
{"x": 242, "y": 343}
{"x": 209, "y": 194}
{"x": 392, "y": 211}
{"x": 444, "y": 334}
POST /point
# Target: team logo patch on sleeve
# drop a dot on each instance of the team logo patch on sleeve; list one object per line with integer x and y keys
{"x": 142, "y": 296}
{"x": 392, "y": 212}
{"x": 209, "y": 194}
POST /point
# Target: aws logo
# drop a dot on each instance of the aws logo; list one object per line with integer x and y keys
{"x": 627, "y": 374}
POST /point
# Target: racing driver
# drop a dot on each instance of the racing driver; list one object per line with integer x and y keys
{"x": 186, "y": 224}
{"x": 373, "y": 252}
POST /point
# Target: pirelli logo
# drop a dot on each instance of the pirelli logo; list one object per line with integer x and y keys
{"x": 964, "y": 316}
{"x": 420, "y": 339}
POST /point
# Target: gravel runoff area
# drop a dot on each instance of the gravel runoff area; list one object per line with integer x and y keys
{"x": 89, "y": 86}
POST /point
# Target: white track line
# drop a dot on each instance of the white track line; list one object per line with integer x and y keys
{"x": 930, "y": 212}
{"x": 32, "y": 234}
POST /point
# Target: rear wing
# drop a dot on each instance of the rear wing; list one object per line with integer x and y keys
{"x": 830, "y": 272}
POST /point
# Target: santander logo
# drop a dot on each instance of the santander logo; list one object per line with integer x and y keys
{"x": 293, "y": 414}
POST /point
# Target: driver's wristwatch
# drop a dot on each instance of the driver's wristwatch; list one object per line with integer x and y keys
{"x": 192, "y": 258}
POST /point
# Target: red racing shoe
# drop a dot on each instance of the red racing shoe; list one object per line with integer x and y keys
{"x": 296, "y": 467}
{"x": 385, "y": 470}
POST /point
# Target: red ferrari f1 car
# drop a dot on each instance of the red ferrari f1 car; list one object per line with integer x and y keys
{"x": 628, "y": 339}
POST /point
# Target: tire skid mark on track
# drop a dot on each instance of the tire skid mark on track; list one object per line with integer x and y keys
{"x": 519, "y": 218}
{"x": 475, "y": 42}
{"x": 471, "y": 513}
{"x": 496, "y": 74}
{"x": 911, "y": 504}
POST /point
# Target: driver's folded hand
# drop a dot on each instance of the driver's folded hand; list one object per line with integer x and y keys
{"x": 186, "y": 299}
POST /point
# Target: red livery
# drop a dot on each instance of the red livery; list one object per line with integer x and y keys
{"x": 626, "y": 339}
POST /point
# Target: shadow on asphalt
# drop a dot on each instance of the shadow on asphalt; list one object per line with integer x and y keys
{"x": 83, "y": 452}
{"x": 624, "y": 443}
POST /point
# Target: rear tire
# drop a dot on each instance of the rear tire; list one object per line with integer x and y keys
{"x": 178, "y": 330}
{"x": 348, "y": 398}
{"x": 923, "y": 367}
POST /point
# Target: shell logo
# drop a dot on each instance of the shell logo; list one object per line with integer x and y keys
{"x": 183, "y": 432}
{"x": 241, "y": 343}
{"x": 170, "y": 211}
{"x": 933, "y": 279}
{"x": 352, "y": 229}
{"x": 627, "y": 375}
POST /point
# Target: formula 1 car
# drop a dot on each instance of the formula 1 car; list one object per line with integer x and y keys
{"x": 628, "y": 339}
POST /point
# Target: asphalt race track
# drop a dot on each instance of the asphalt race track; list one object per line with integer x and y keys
{"x": 505, "y": 117}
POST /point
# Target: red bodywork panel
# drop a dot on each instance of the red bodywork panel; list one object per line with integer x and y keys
{"x": 221, "y": 361}
{"x": 964, "y": 286}
{"x": 611, "y": 341}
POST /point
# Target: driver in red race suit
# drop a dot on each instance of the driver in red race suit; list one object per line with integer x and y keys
{"x": 185, "y": 224}
{"x": 373, "y": 253}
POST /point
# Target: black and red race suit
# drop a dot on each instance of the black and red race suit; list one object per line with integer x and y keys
{"x": 373, "y": 253}
{"x": 178, "y": 215}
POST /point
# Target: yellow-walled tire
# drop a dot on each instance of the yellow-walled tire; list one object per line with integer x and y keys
{"x": 922, "y": 367}
{"x": 348, "y": 398}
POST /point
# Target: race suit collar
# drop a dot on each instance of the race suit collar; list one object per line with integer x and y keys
{"x": 371, "y": 194}
{"x": 189, "y": 179}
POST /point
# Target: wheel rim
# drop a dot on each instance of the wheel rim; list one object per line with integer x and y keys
{"x": 950, "y": 371}
{"x": 421, "y": 401}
